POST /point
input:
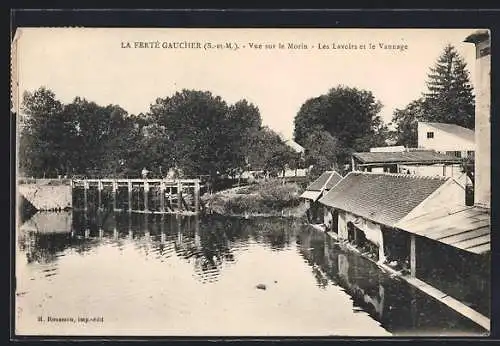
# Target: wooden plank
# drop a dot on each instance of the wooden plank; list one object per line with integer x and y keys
{"x": 436, "y": 231}
{"x": 480, "y": 249}
{"x": 473, "y": 242}
{"x": 465, "y": 236}
{"x": 454, "y": 304}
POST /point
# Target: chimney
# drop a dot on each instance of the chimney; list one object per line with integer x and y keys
{"x": 482, "y": 182}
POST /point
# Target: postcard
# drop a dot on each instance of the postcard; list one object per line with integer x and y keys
{"x": 252, "y": 182}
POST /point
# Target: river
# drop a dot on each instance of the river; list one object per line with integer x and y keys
{"x": 121, "y": 274}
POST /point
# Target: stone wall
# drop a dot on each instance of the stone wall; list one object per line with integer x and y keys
{"x": 44, "y": 196}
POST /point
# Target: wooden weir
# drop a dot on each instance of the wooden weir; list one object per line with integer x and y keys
{"x": 158, "y": 196}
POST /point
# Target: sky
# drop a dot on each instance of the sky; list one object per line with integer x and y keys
{"x": 96, "y": 64}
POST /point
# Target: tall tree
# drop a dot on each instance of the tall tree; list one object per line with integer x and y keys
{"x": 245, "y": 123}
{"x": 101, "y": 136}
{"x": 348, "y": 114}
{"x": 206, "y": 135}
{"x": 44, "y": 134}
{"x": 405, "y": 121}
{"x": 269, "y": 152}
{"x": 321, "y": 150}
{"x": 449, "y": 98}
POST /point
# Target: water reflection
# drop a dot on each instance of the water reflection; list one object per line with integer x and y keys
{"x": 212, "y": 245}
{"x": 399, "y": 307}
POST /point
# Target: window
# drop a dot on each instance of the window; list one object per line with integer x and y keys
{"x": 430, "y": 134}
{"x": 470, "y": 154}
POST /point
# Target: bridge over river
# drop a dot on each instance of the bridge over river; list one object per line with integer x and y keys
{"x": 120, "y": 194}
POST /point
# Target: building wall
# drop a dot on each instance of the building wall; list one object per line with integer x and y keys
{"x": 482, "y": 192}
{"x": 47, "y": 197}
{"x": 453, "y": 171}
{"x": 442, "y": 141}
{"x": 451, "y": 195}
{"x": 388, "y": 149}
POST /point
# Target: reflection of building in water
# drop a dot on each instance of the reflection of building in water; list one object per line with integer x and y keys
{"x": 367, "y": 295}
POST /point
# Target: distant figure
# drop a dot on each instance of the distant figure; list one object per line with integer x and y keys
{"x": 144, "y": 173}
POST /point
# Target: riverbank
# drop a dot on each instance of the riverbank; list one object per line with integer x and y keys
{"x": 268, "y": 198}
{"x": 424, "y": 287}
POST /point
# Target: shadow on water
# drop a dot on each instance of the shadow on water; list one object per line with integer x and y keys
{"x": 399, "y": 307}
{"x": 212, "y": 243}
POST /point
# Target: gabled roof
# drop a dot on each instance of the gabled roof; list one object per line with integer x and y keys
{"x": 295, "y": 146}
{"x": 334, "y": 179}
{"x": 418, "y": 156}
{"x": 464, "y": 227}
{"x": 456, "y": 130}
{"x": 381, "y": 197}
{"x": 325, "y": 181}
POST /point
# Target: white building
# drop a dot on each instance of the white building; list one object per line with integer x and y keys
{"x": 388, "y": 149}
{"x": 448, "y": 139}
{"x": 299, "y": 149}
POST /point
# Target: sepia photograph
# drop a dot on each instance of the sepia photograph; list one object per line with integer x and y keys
{"x": 252, "y": 182}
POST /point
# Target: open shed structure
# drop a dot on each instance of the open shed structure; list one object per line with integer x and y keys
{"x": 316, "y": 190}
{"x": 421, "y": 225}
{"x": 411, "y": 161}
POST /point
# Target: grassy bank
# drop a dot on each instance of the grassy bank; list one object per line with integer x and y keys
{"x": 266, "y": 198}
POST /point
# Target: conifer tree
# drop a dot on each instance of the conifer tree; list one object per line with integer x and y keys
{"x": 449, "y": 98}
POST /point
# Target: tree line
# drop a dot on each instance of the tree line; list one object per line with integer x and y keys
{"x": 197, "y": 133}
{"x": 345, "y": 120}
{"x": 192, "y": 132}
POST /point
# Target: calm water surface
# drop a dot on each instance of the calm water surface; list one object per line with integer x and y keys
{"x": 154, "y": 275}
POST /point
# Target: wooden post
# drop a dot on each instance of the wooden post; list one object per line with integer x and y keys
{"x": 162, "y": 196}
{"x": 197, "y": 238}
{"x": 115, "y": 187}
{"x": 99, "y": 194}
{"x": 413, "y": 256}
{"x": 129, "y": 196}
{"x": 130, "y": 233}
{"x": 85, "y": 189}
{"x": 146, "y": 195}
{"x": 353, "y": 164}
{"x": 179, "y": 195}
{"x": 196, "y": 196}
{"x": 162, "y": 228}
{"x": 170, "y": 198}
{"x": 179, "y": 228}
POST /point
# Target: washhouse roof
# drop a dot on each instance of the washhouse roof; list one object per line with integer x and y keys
{"x": 464, "y": 227}
{"x": 324, "y": 182}
{"x": 381, "y": 197}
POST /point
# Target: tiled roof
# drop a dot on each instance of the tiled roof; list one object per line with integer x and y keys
{"x": 456, "y": 130}
{"x": 384, "y": 198}
{"x": 319, "y": 183}
{"x": 312, "y": 195}
{"x": 420, "y": 156}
